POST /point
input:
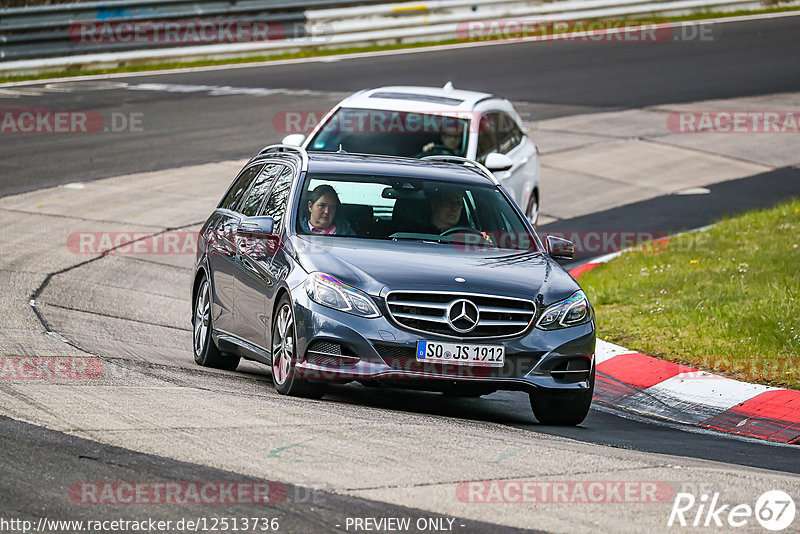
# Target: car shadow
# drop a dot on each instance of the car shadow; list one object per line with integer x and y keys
{"x": 511, "y": 408}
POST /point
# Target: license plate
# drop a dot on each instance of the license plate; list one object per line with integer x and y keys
{"x": 461, "y": 354}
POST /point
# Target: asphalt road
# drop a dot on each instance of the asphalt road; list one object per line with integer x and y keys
{"x": 69, "y": 458}
{"x": 602, "y": 426}
{"x": 544, "y": 80}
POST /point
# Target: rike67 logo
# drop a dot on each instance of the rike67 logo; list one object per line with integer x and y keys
{"x": 774, "y": 510}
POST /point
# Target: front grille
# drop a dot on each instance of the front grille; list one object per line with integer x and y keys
{"x": 326, "y": 347}
{"x": 574, "y": 369}
{"x": 329, "y": 354}
{"x": 402, "y": 358}
{"x": 427, "y": 312}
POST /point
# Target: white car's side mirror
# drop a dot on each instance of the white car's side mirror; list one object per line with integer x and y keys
{"x": 498, "y": 162}
{"x": 294, "y": 139}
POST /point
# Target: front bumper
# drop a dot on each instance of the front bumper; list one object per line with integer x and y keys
{"x": 379, "y": 351}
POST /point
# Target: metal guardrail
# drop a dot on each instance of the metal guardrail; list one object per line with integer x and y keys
{"x": 36, "y": 39}
{"x": 43, "y": 31}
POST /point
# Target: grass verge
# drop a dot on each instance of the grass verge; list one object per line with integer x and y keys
{"x": 726, "y": 300}
{"x": 317, "y": 52}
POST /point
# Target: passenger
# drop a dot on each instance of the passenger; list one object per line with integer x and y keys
{"x": 323, "y": 203}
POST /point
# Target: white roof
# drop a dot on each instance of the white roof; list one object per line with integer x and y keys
{"x": 416, "y": 99}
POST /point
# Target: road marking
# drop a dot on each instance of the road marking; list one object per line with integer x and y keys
{"x": 275, "y": 453}
{"x": 693, "y": 191}
{"x": 79, "y": 85}
{"x": 16, "y": 93}
{"x": 221, "y": 90}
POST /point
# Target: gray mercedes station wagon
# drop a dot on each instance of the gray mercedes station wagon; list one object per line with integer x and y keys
{"x": 393, "y": 272}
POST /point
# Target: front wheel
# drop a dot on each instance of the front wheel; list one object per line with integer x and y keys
{"x": 533, "y": 209}
{"x": 284, "y": 356}
{"x": 562, "y": 409}
{"x": 206, "y": 352}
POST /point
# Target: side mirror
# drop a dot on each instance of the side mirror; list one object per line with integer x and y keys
{"x": 294, "y": 139}
{"x": 561, "y": 249}
{"x": 257, "y": 226}
{"x": 498, "y": 162}
{"x": 256, "y": 237}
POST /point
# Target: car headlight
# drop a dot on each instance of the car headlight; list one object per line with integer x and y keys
{"x": 570, "y": 312}
{"x": 326, "y": 290}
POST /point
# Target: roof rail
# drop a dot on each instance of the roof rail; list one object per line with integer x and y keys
{"x": 466, "y": 163}
{"x": 288, "y": 148}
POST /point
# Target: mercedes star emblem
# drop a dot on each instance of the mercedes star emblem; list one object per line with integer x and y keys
{"x": 463, "y": 315}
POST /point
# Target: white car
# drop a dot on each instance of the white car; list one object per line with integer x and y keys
{"x": 426, "y": 121}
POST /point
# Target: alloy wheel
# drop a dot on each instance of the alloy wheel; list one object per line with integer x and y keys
{"x": 202, "y": 315}
{"x": 283, "y": 345}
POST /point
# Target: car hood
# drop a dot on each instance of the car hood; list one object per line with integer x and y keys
{"x": 377, "y": 267}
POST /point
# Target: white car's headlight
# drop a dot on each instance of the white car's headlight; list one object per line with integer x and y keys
{"x": 327, "y": 290}
{"x": 569, "y": 312}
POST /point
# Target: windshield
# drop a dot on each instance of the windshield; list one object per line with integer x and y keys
{"x": 397, "y": 208}
{"x": 394, "y": 133}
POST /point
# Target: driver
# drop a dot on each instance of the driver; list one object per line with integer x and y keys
{"x": 450, "y": 146}
{"x": 446, "y": 206}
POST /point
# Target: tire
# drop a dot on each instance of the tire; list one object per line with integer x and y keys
{"x": 284, "y": 356}
{"x": 532, "y": 213}
{"x": 205, "y": 351}
{"x": 562, "y": 409}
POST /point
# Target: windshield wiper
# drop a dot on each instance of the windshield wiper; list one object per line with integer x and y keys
{"x": 423, "y": 239}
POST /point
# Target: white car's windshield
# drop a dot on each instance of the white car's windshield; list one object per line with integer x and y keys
{"x": 396, "y": 133}
{"x": 397, "y": 208}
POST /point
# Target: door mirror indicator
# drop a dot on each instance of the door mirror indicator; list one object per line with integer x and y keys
{"x": 558, "y": 248}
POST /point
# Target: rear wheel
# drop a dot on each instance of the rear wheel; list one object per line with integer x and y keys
{"x": 284, "y": 356}
{"x": 562, "y": 409}
{"x": 206, "y": 352}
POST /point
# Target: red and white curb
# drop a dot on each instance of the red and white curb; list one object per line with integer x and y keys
{"x": 639, "y": 383}
{"x": 589, "y": 265}
{"x": 642, "y": 384}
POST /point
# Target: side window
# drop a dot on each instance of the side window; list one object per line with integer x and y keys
{"x": 258, "y": 192}
{"x": 276, "y": 204}
{"x": 486, "y": 137}
{"x": 509, "y": 134}
{"x": 240, "y": 185}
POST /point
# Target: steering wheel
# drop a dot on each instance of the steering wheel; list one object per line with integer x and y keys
{"x": 437, "y": 150}
{"x": 443, "y": 150}
{"x": 466, "y": 230}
